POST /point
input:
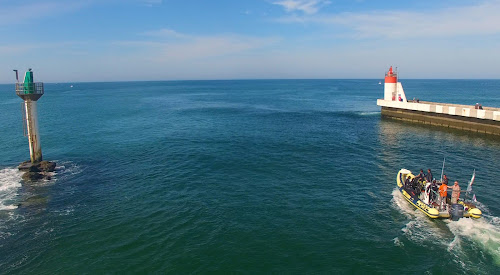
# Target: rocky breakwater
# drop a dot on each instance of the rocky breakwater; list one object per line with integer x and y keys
{"x": 37, "y": 171}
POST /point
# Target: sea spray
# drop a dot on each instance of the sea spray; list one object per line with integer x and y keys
{"x": 484, "y": 232}
{"x": 10, "y": 182}
{"x": 420, "y": 228}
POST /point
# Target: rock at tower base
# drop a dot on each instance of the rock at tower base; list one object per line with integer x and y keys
{"x": 37, "y": 171}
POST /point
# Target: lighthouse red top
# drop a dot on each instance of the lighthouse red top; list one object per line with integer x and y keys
{"x": 391, "y": 77}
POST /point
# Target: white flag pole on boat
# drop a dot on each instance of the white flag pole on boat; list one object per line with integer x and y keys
{"x": 442, "y": 170}
{"x": 469, "y": 188}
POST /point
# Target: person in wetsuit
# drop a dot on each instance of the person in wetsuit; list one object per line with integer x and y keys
{"x": 428, "y": 177}
{"x": 445, "y": 180}
{"x": 407, "y": 182}
{"x": 408, "y": 186}
{"x": 416, "y": 186}
{"x": 421, "y": 175}
{"x": 432, "y": 189}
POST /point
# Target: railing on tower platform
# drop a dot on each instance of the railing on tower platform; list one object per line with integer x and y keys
{"x": 32, "y": 91}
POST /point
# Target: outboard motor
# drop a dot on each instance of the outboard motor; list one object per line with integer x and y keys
{"x": 456, "y": 212}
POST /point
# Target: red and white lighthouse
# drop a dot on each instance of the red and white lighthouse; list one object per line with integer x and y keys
{"x": 391, "y": 85}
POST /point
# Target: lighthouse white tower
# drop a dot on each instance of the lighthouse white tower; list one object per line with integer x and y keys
{"x": 390, "y": 87}
{"x": 30, "y": 92}
{"x": 393, "y": 90}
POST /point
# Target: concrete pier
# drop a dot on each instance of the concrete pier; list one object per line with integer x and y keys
{"x": 463, "y": 117}
{"x": 466, "y": 117}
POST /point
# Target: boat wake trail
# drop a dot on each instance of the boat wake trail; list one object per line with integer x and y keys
{"x": 401, "y": 204}
{"x": 483, "y": 234}
{"x": 369, "y": 113}
{"x": 420, "y": 228}
{"x": 10, "y": 182}
{"x": 465, "y": 239}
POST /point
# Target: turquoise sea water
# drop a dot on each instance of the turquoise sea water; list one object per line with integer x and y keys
{"x": 255, "y": 176}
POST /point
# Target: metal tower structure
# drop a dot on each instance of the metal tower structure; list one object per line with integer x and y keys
{"x": 30, "y": 92}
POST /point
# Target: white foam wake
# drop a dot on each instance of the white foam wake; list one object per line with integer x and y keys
{"x": 484, "y": 233}
{"x": 420, "y": 229}
{"x": 66, "y": 169}
{"x": 369, "y": 113}
{"x": 10, "y": 182}
{"x": 406, "y": 208}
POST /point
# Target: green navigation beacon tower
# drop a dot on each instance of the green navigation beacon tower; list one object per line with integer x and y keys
{"x": 30, "y": 92}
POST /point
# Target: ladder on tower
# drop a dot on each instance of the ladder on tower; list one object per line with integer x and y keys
{"x": 25, "y": 119}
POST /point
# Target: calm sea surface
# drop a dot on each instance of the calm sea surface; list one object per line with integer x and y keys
{"x": 264, "y": 176}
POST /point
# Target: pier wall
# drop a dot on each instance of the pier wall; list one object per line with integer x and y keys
{"x": 446, "y": 115}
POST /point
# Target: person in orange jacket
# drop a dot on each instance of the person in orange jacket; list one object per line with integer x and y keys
{"x": 443, "y": 191}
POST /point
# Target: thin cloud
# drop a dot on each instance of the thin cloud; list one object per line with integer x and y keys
{"x": 165, "y": 33}
{"x": 167, "y": 44}
{"x": 17, "y": 14}
{"x": 15, "y": 49}
{"x": 21, "y": 49}
{"x": 152, "y": 3}
{"x": 305, "y": 6}
{"x": 205, "y": 47}
{"x": 481, "y": 19}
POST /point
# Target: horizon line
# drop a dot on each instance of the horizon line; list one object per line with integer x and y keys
{"x": 249, "y": 79}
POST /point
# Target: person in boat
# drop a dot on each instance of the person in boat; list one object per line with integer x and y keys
{"x": 407, "y": 182}
{"x": 411, "y": 186}
{"x": 443, "y": 191}
{"x": 455, "y": 194}
{"x": 432, "y": 189}
{"x": 421, "y": 175}
{"x": 426, "y": 191}
{"x": 419, "y": 182}
{"x": 415, "y": 184}
{"x": 428, "y": 177}
{"x": 445, "y": 180}
{"x": 412, "y": 182}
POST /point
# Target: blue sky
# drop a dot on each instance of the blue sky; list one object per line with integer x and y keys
{"x": 122, "y": 40}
